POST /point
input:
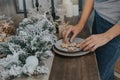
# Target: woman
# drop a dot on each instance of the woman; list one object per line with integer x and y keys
{"x": 105, "y": 39}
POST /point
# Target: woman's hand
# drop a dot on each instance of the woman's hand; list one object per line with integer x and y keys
{"x": 75, "y": 31}
{"x": 94, "y": 41}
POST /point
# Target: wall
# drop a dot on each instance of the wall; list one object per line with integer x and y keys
{"x": 7, "y": 7}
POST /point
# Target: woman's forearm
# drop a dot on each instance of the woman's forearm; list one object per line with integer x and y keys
{"x": 88, "y": 7}
{"x": 113, "y": 32}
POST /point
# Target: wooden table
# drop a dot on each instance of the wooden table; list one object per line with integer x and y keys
{"x": 75, "y": 68}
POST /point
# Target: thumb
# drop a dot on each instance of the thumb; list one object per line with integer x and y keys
{"x": 66, "y": 34}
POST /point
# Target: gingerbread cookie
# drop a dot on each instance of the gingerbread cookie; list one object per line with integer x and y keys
{"x": 71, "y": 47}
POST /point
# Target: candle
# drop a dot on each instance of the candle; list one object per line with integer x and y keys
{"x": 75, "y": 10}
{"x": 29, "y": 4}
{"x": 69, "y": 10}
{"x": 66, "y": 2}
{"x": 69, "y": 7}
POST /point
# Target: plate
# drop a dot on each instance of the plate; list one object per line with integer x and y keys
{"x": 75, "y": 54}
{"x": 59, "y": 48}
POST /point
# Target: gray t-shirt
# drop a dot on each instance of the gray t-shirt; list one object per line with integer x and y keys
{"x": 109, "y": 10}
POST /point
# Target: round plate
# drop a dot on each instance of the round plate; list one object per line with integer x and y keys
{"x": 59, "y": 48}
{"x": 69, "y": 54}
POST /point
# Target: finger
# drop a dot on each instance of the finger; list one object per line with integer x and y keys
{"x": 89, "y": 38}
{"x": 89, "y": 47}
{"x": 86, "y": 41}
{"x": 65, "y": 35}
{"x": 94, "y": 48}
{"x": 73, "y": 37}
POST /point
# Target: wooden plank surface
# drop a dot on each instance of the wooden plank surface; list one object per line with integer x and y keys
{"x": 75, "y": 68}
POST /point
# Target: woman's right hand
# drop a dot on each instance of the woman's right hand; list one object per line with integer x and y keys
{"x": 75, "y": 31}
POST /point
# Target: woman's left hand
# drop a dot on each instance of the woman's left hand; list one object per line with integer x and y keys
{"x": 93, "y": 42}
